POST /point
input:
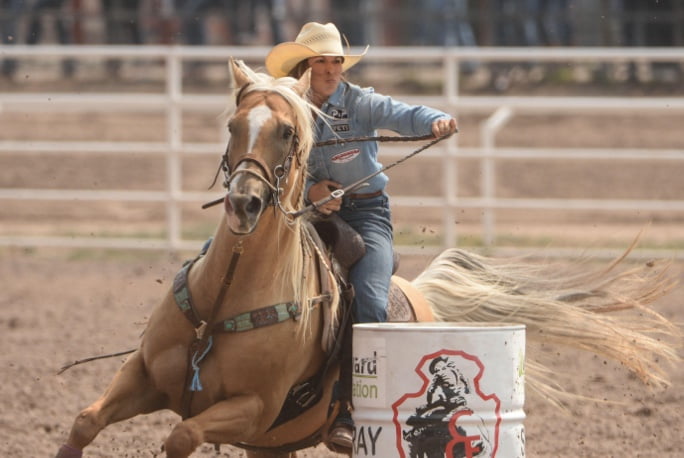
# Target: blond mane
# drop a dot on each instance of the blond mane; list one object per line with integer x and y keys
{"x": 297, "y": 263}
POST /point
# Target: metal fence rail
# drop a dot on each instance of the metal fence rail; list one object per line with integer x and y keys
{"x": 173, "y": 102}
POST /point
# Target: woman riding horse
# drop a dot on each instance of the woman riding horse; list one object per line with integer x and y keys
{"x": 349, "y": 111}
{"x": 236, "y": 345}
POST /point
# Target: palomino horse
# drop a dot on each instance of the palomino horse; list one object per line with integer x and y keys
{"x": 228, "y": 363}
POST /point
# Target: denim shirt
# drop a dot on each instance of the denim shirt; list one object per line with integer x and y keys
{"x": 357, "y": 112}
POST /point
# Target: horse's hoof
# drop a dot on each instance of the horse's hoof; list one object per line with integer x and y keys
{"x": 67, "y": 451}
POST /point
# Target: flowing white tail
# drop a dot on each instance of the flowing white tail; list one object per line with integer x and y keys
{"x": 599, "y": 310}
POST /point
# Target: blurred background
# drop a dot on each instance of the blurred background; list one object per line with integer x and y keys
{"x": 444, "y": 23}
{"x": 570, "y": 115}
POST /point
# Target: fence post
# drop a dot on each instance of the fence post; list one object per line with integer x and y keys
{"x": 450, "y": 170}
{"x": 174, "y": 137}
{"x": 490, "y": 127}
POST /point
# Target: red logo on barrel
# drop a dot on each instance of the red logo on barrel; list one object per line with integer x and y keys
{"x": 444, "y": 417}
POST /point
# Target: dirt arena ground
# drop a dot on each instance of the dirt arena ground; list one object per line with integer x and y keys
{"x": 57, "y": 309}
{"x": 59, "y": 305}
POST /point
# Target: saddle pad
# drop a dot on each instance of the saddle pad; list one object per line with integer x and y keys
{"x": 406, "y": 303}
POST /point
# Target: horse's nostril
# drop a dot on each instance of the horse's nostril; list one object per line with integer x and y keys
{"x": 254, "y": 205}
{"x": 245, "y": 204}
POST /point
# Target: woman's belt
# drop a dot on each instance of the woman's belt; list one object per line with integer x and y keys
{"x": 368, "y": 195}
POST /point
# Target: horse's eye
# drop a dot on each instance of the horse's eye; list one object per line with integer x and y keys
{"x": 287, "y": 133}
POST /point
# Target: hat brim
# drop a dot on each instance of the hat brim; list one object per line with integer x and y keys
{"x": 285, "y": 56}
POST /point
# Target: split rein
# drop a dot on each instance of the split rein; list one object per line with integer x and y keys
{"x": 333, "y": 195}
{"x": 338, "y": 193}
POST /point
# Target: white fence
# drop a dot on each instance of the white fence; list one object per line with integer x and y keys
{"x": 173, "y": 102}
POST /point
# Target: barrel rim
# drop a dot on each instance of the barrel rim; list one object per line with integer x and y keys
{"x": 440, "y": 326}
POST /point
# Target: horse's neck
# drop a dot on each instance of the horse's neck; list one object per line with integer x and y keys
{"x": 263, "y": 257}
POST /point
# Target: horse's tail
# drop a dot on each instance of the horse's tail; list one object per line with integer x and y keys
{"x": 560, "y": 305}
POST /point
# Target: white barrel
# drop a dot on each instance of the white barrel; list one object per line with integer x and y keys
{"x": 425, "y": 390}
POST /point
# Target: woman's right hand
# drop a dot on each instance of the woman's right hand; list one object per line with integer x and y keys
{"x": 321, "y": 190}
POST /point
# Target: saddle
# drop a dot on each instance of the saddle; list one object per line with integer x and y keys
{"x": 345, "y": 247}
{"x": 339, "y": 239}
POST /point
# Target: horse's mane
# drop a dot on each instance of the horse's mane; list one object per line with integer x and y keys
{"x": 304, "y": 116}
{"x": 304, "y": 112}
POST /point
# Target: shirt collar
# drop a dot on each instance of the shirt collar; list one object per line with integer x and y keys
{"x": 337, "y": 96}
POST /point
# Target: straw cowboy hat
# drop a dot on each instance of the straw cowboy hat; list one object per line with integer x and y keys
{"x": 313, "y": 40}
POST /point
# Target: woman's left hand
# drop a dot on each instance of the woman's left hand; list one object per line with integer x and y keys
{"x": 443, "y": 127}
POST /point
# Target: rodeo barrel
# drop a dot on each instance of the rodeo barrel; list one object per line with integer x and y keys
{"x": 439, "y": 390}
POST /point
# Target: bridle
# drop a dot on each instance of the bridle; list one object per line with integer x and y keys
{"x": 271, "y": 178}
{"x": 282, "y": 170}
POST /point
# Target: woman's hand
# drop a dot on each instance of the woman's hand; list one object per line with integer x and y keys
{"x": 443, "y": 127}
{"x": 321, "y": 190}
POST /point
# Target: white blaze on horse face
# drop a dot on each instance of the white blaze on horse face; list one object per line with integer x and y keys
{"x": 257, "y": 117}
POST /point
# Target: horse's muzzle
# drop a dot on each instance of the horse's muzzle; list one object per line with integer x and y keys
{"x": 243, "y": 211}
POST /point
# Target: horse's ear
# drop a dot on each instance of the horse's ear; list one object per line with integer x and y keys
{"x": 238, "y": 77}
{"x": 302, "y": 86}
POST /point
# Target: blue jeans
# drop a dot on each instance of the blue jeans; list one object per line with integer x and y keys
{"x": 371, "y": 275}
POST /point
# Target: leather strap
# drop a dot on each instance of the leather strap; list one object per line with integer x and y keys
{"x": 368, "y": 195}
{"x": 201, "y": 340}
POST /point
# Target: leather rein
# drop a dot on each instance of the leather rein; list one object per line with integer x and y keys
{"x": 281, "y": 170}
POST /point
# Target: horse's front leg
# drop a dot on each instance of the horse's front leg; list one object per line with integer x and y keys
{"x": 129, "y": 394}
{"x": 227, "y": 421}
